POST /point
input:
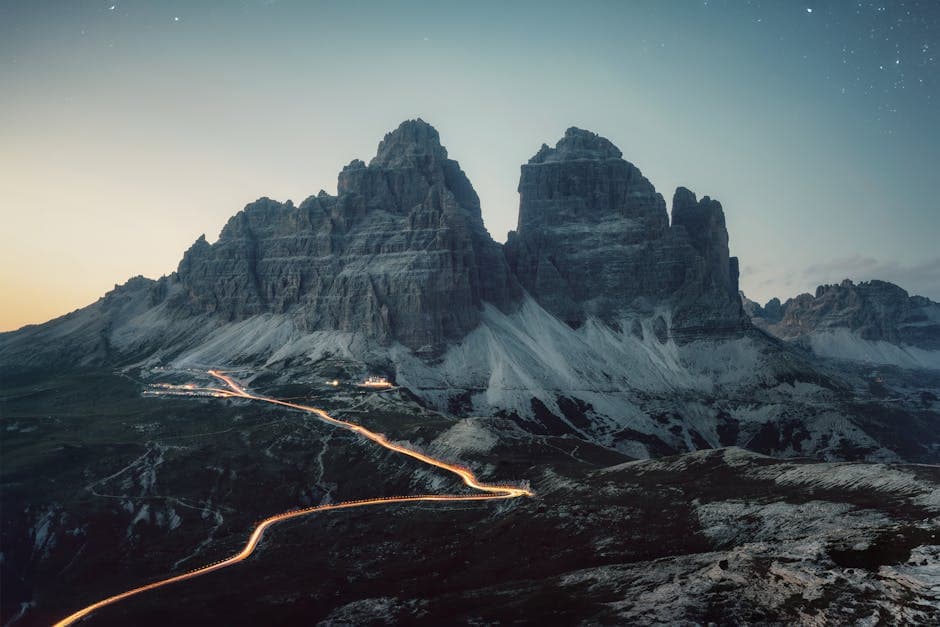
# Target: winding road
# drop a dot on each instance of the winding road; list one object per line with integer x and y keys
{"x": 234, "y": 390}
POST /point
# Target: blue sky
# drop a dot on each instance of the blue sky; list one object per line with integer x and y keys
{"x": 126, "y": 132}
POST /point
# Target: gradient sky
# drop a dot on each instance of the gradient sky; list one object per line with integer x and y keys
{"x": 128, "y": 128}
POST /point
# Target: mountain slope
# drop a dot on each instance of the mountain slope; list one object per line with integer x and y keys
{"x": 873, "y": 322}
{"x": 599, "y": 319}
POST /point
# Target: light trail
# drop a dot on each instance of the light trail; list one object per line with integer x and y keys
{"x": 234, "y": 390}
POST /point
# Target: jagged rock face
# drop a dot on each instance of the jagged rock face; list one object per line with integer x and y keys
{"x": 874, "y": 310}
{"x": 708, "y": 298}
{"x": 594, "y": 239}
{"x": 400, "y": 253}
{"x": 763, "y": 317}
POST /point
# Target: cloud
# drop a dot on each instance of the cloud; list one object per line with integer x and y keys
{"x": 920, "y": 278}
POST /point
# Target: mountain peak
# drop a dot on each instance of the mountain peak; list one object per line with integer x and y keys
{"x": 578, "y": 144}
{"x": 412, "y": 140}
{"x": 684, "y": 198}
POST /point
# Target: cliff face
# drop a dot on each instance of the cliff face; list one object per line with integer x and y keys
{"x": 400, "y": 253}
{"x": 594, "y": 239}
{"x": 873, "y": 311}
{"x": 600, "y": 318}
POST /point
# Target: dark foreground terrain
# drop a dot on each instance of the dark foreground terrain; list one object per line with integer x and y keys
{"x": 124, "y": 487}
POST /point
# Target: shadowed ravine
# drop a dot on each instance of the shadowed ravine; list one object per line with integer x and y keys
{"x": 234, "y": 390}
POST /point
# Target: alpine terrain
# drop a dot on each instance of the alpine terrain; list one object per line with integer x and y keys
{"x": 600, "y": 427}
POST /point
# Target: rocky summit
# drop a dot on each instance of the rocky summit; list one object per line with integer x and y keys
{"x": 602, "y": 318}
{"x": 594, "y": 239}
{"x": 399, "y": 254}
{"x": 871, "y": 321}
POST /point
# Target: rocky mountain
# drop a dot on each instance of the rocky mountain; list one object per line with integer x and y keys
{"x": 594, "y": 240}
{"x": 400, "y": 254}
{"x": 601, "y": 335}
{"x": 872, "y": 322}
{"x": 600, "y": 319}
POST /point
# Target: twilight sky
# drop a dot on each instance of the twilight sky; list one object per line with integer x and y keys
{"x": 128, "y": 128}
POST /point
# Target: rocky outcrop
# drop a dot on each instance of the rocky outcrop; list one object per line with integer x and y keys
{"x": 874, "y": 311}
{"x": 632, "y": 333}
{"x": 708, "y": 297}
{"x": 400, "y": 254}
{"x": 594, "y": 239}
{"x": 771, "y": 313}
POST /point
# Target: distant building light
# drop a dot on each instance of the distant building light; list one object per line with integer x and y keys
{"x": 376, "y": 382}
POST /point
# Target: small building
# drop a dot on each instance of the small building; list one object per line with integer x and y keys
{"x": 376, "y": 382}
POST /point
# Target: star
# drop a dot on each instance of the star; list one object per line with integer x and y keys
{"x": 809, "y": 10}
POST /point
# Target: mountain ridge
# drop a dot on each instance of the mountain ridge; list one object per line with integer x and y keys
{"x": 600, "y": 318}
{"x": 269, "y": 257}
{"x": 870, "y": 321}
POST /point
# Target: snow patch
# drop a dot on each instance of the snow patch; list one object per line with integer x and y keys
{"x": 381, "y": 610}
{"x": 734, "y": 522}
{"x": 856, "y": 477}
{"x": 467, "y": 436}
{"x": 844, "y": 344}
{"x": 143, "y": 515}
{"x": 43, "y": 537}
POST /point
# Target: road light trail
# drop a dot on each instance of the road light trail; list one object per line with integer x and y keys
{"x": 234, "y": 390}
